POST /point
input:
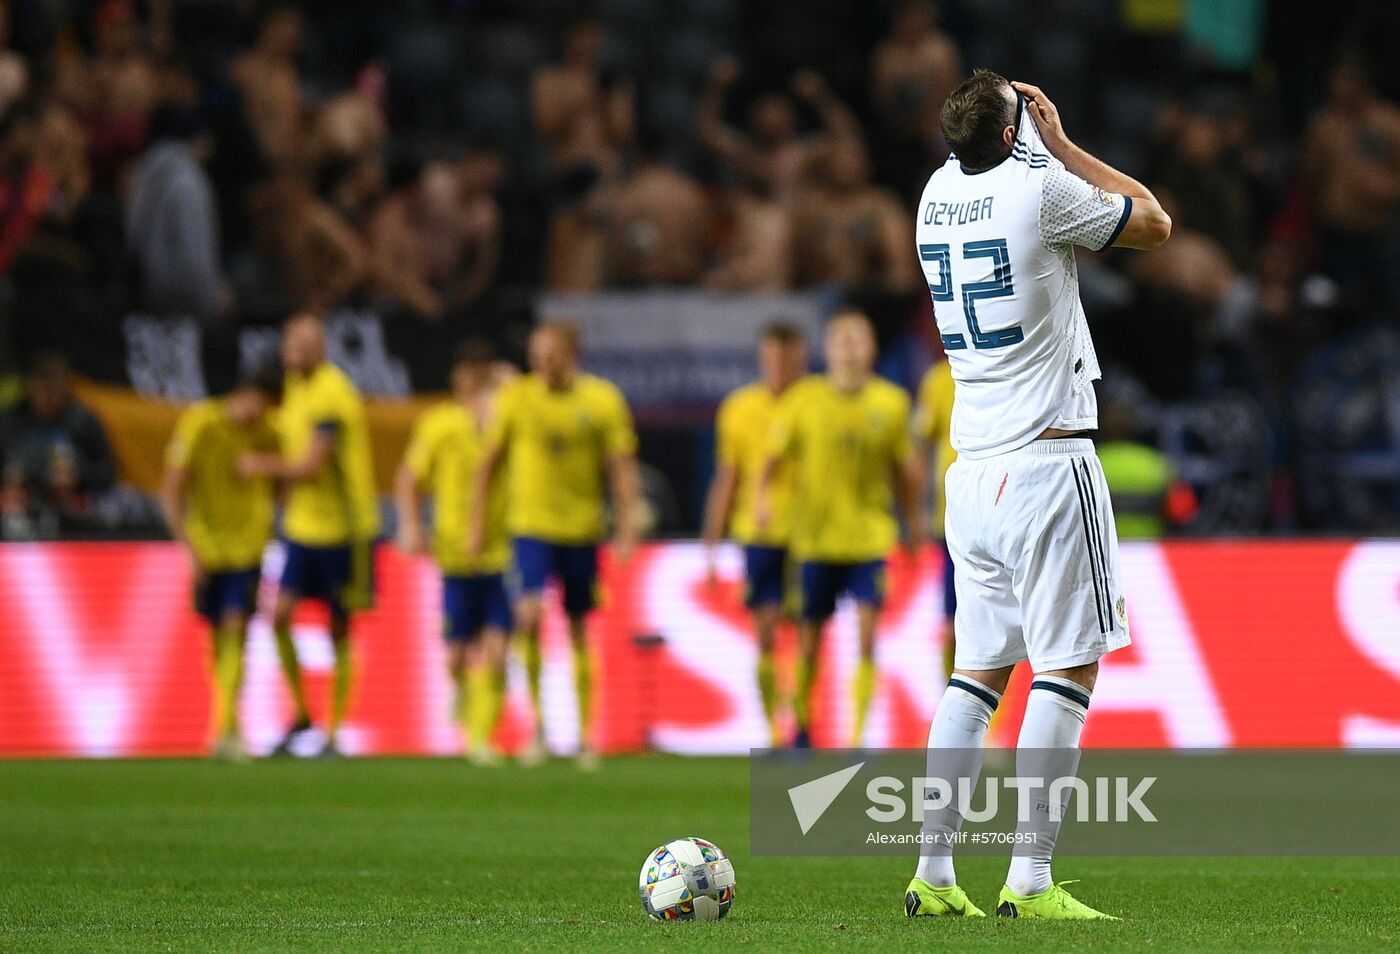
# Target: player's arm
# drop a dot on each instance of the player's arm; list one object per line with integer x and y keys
{"x": 316, "y": 459}
{"x": 408, "y": 506}
{"x": 624, "y": 476}
{"x": 778, "y": 444}
{"x": 173, "y": 486}
{"x": 762, "y": 506}
{"x": 836, "y": 117}
{"x": 719, "y": 137}
{"x": 908, "y": 485}
{"x": 1148, "y": 225}
{"x": 175, "y": 482}
{"x": 908, "y": 473}
{"x": 625, "y": 481}
{"x": 480, "y": 490}
{"x": 719, "y": 503}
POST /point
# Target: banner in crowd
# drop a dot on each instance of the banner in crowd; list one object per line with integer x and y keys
{"x": 672, "y": 350}
{"x": 1235, "y": 644}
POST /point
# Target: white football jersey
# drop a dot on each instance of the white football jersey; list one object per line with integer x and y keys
{"x": 997, "y": 249}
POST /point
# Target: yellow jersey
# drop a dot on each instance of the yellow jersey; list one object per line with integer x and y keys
{"x": 228, "y": 518}
{"x": 933, "y": 425}
{"x": 556, "y": 445}
{"x": 741, "y": 437}
{"x": 444, "y": 454}
{"x": 340, "y": 505}
{"x": 844, "y": 448}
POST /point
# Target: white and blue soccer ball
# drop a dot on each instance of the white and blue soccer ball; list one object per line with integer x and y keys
{"x": 688, "y": 879}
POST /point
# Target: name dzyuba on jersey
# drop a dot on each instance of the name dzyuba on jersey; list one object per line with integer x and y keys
{"x": 958, "y": 213}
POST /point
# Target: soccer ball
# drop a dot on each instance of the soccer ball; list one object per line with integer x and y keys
{"x": 688, "y": 879}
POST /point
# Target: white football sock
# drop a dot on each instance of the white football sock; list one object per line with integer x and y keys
{"x": 955, "y": 741}
{"x": 1055, "y": 711}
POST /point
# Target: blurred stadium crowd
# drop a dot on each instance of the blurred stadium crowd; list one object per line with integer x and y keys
{"x": 438, "y": 163}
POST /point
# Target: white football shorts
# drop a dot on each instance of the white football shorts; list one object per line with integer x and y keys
{"x": 1035, "y": 558}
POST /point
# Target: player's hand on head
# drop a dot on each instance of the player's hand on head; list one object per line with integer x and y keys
{"x": 1045, "y": 115}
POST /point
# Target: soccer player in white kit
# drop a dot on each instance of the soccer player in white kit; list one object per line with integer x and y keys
{"x": 1029, "y": 522}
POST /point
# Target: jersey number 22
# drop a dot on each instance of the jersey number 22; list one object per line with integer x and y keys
{"x": 999, "y": 286}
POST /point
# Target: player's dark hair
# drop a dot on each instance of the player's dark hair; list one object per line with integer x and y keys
{"x": 973, "y": 118}
{"x": 266, "y": 379}
{"x": 474, "y": 352}
{"x": 783, "y": 332}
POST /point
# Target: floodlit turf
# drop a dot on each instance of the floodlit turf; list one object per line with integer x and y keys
{"x": 427, "y": 855}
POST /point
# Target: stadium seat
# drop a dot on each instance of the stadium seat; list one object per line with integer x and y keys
{"x": 495, "y": 108}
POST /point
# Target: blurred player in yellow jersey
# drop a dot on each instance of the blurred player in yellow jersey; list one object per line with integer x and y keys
{"x": 565, "y": 438}
{"x": 933, "y": 418}
{"x": 741, "y": 445}
{"x": 224, "y": 521}
{"x": 846, "y": 433}
{"x": 331, "y": 515}
{"x": 442, "y": 457}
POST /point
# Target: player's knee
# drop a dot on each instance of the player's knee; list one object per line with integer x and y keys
{"x": 282, "y": 611}
{"x": 1085, "y": 675}
{"x": 527, "y": 615}
{"x": 232, "y": 621}
{"x": 765, "y": 624}
{"x": 994, "y": 679}
{"x": 456, "y": 661}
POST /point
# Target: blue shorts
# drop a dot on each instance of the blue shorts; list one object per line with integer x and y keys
{"x": 225, "y": 591}
{"x": 950, "y": 592}
{"x": 765, "y": 576}
{"x": 575, "y": 566}
{"x": 822, "y": 583}
{"x": 341, "y": 577}
{"x": 471, "y": 603}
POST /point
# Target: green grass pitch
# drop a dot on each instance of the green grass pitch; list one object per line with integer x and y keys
{"x": 429, "y": 855}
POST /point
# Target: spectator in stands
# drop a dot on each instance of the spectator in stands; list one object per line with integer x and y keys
{"x": 435, "y": 241}
{"x": 119, "y": 91}
{"x": 26, "y": 188}
{"x": 1211, "y": 190}
{"x": 172, "y": 223}
{"x": 14, "y": 70}
{"x": 53, "y": 454}
{"x": 774, "y": 152}
{"x": 1351, "y": 164}
{"x": 1192, "y": 264}
{"x": 268, "y": 78}
{"x": 308, "y": 253}
{"x": 850, "y": 232}
{"x": 915, "y": 68}
{"x": 754, "y": 251}
{"x": 659, "y": 223}
{"x": 352, "y": 186}
{"x": 575, "y": 258}
{"x": 351, "y": 125}
{"x": 583, "y": 116}
{"x": 913, "y": 71}
{"x": 69, "y": 275}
